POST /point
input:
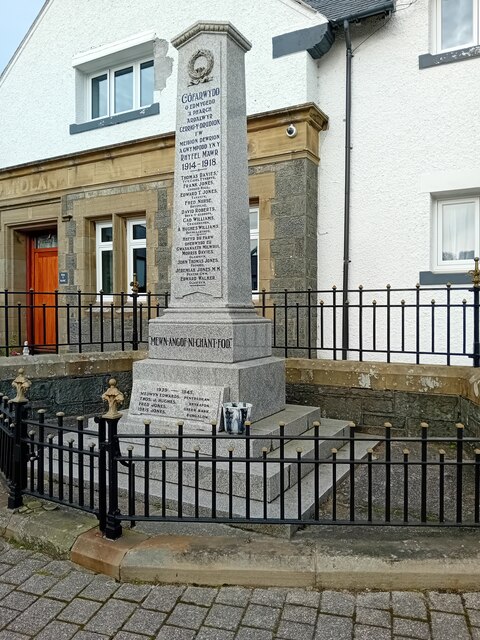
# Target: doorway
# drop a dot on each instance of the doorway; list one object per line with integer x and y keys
{"x": 42, "y": 280}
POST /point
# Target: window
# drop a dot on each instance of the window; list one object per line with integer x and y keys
{"x": 254, "y": 247}
{"x": 457, "y": 24}
{"x": 137, "y": 253}
{"x": 121, "y": 89}
{"x": 134, "y": 253}
{"x": 457, "y": 236}
{"x": 105, "y": 257}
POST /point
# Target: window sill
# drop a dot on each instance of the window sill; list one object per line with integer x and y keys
{"x": 434, "y": 60}
{"x": 101, "y": 123}
{"x": 431, "y": 277}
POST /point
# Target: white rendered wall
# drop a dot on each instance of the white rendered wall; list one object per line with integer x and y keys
{"x": 414, "y": 133}
{"x": 37, "y": 91}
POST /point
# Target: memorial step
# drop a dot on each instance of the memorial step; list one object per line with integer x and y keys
{"x": 201, "y": 472}
{"x": 297, "y": 420}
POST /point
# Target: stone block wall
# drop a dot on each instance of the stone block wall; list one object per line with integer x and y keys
{"x": 371, "y": 394}
{"x": 292, "y": 249}
{"x": 70, "y": 383}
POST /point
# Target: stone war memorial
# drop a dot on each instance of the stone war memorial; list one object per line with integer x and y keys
{"x": 210, "y": 347}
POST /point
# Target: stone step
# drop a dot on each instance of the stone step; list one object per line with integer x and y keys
{"x": 297, "y": 420}
{"x": 337, "y": 429}
{"x": 256, "y": 469}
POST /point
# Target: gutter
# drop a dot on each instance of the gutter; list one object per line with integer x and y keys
{"x": 386, "y": 7}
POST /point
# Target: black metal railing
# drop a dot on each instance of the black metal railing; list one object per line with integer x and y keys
{"x": 435, "y": 325}
{"x": 350, "y": 477}
{"x": 76, "y": 321}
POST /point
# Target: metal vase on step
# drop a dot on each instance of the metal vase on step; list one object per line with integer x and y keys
{"x": 235, "y": 414}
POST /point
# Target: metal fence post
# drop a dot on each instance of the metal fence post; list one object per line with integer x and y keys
{"x": 20, "y": 451}
{"x": 134, "y": 286}
{"x": 475, "y": 273}
{"x": 114, "y": 397}
{"x": 102, "y": 474}
{"x": 113, "y": 527}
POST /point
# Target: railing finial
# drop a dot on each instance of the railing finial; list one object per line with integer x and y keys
{"x": 134, "y": 284}
{"x": 115, "y": 398}
{"x": 21, "y": 384}
{"x": 475, "y": 273}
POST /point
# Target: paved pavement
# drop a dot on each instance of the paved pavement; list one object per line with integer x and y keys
{"x": 55, "y": 600}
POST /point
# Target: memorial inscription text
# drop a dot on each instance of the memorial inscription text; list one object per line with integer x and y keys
{"x": 170, "y": 400}
{"x": 197, "y": 255}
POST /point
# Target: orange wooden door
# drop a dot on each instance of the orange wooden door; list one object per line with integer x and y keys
{"x": 43, "y": 279}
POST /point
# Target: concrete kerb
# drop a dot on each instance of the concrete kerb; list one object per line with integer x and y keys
{"x": 323, "y": 561}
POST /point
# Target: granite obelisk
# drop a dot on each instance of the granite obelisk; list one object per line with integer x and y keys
{"x": 210, "y": 344}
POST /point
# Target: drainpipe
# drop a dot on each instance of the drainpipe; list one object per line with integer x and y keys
{"x": 346, "y": 215}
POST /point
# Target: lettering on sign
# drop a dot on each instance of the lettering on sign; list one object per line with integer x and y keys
{"x": 197, "y": 256}
{"x": 199, "y": 343}
{"x": 179, "y": 401}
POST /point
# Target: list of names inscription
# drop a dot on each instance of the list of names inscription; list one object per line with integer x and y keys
{"x": 172, "y": 400}
{"x": 197, "y": 255}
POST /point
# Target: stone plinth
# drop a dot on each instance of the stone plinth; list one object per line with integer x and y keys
{"x": 261, "y": 381}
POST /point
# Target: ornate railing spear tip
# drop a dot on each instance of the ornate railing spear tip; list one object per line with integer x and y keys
{"x": 21, "y": 384}
{"x": 115, "y": 398}
{"x": 475, "y": 274}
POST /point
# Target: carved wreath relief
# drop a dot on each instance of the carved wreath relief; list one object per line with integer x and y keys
{"x": 200, "y": 66}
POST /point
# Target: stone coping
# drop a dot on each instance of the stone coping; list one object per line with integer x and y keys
{"x": 376, "y": 376}
{"x": 69, "y": 364}
{"x": 379, "y": 376}
{"x": 400, "y": 559}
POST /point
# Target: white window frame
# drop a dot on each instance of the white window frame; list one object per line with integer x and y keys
{"x": 110, "y": 73}
{"x": 438, "y": 29}
{"x": 100, "y": 248}
{"x": 254, "y": 235}
{"x": 132, "y": 244}
{"x": 441, "y": 265}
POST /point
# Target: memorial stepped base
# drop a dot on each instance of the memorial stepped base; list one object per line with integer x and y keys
{"x": 298, "y": 421}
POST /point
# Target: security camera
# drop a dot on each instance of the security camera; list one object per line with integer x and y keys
{"x": 291, "y": 131}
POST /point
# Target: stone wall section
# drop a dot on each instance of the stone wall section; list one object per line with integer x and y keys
{"x": 292, "y": 245}
{"x": 369, "y": 394}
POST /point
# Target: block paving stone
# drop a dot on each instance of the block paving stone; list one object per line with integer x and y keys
{"x": 112, "y": 615}
{"x": 411, "y": 628}
{"x": 80, "y": 611}
{"x": 188, "y": 616}
{"x": 294, "y": 613}
{"x": 37, "y": 616}
{"x": 446, "y": 602}
{"x": 247, "y": 633}
{"x": 261, "y": 616}
{"x": 207, "y": 633}
{"x": 199, "y": 595}
{"x": 224, "y": 616}
{"x": 146, "y": 622}
{"x": 375, "y": 617}
{"x": 295, "y": 630}
{"x": 45, "y": 599}
{"x": 236, "y": 596}
{"x": 409, "y": 605}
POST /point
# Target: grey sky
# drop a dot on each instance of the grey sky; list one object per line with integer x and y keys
{"x": 15, "y": 19}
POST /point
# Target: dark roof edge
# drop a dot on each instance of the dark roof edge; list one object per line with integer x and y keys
{"x": 387, "y": 6}
{"x": 316, "y": 40}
